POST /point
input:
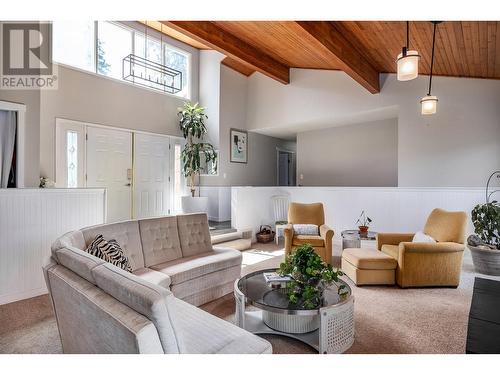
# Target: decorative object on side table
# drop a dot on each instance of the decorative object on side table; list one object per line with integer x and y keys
{"x": 274, "y": 280}
{"x": 485, "y": 243}
{"x": 46, "y": 183}
{"x": 364, "y": 224}
{"x": 192, "y": 124}
{"x": 238, "y": 146}
{"x": 265, "y": 234}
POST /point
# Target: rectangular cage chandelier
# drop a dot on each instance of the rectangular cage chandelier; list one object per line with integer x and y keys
{"x": 151, "y": 74}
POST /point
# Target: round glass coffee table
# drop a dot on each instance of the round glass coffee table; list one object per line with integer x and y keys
{"x": 328, "y": 329}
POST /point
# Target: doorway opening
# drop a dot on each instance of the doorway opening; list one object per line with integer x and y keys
{"x": 12, "y": 117}
{"x": 286, "y": 167}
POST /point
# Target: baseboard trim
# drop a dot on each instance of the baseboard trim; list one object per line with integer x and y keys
{"x": 9, "y": 298}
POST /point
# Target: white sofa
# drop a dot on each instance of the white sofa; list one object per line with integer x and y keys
{"x": 102, "y": 309}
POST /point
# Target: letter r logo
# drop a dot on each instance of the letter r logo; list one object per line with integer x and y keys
{"x": 26, "y": 49}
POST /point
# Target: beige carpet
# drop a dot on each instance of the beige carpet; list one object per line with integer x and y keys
{"x": 387, "y": 319}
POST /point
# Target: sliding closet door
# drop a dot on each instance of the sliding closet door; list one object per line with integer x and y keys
{"x": 109, "y": 165}
{"x": 152, "y": 175}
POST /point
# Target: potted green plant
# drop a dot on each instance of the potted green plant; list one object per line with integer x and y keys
{"x": 310, "y": 277}
{"x": 484, "y": 245}
{"x": 364, "y": 224}
{"x": 192, "y": 124}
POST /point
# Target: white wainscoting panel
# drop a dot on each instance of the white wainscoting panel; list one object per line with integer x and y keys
{"x": 391, "y": 209}
{"x": 30, "y": 221}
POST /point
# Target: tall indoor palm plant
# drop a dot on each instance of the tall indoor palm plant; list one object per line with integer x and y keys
{"x": 192, "y": 124}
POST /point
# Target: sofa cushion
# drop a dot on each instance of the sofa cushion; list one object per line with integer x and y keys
{"x": 306, "y": 229}
{"x": 188, "y": 268}
{"x": 77, "y": 261}
{"x": 312, "y": 240}
{"x": 109, "y": 251}
{"x": 160, "y": 240}
{"x": 194, "y": 234}
{"x": 205, "y": 333}
{"x": 369, "y": 259}
{"x": 422, "y": 237}
{"x": 126, "y": 234}
{"x": 391, "y": 250}
{"x": 153, "y": 277}
{"x": 147, "y": 299}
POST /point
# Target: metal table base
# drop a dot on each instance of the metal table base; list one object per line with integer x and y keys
{"x": 253, "y": 323}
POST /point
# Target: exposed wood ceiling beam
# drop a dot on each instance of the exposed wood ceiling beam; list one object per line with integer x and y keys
{"x": 349, "y": 58}
{"x": 216, "y": 38}
{"x": 244, "y": 69}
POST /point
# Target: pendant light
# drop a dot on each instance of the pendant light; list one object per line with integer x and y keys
{"x": 429, "y": 102}
{"x": 407, "y": 61}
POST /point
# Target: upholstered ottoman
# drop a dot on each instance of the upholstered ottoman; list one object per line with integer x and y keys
{"x": 369, "y": 267}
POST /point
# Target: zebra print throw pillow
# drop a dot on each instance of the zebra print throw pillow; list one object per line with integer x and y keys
{"x": 109, "y": 251}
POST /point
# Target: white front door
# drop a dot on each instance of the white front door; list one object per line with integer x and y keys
{"x": 109, "y": 165}
{"x": 152, "y": 176}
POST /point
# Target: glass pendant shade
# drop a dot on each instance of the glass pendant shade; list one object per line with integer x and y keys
{"x": 408, "y": 66}
{"x": 429, "y": 104}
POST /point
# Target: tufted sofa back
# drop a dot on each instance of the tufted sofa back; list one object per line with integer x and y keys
{"x": 194, "y": 234}
{"x": 149, "y": 242}
{"x": 160, "y": 240}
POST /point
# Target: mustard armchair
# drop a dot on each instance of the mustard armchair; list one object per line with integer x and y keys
{"x": 300, "y": 213}
{"x": 429, "y": 264}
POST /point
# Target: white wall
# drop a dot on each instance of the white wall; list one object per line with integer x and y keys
{"x": 352, "y": 155}
{"x": 458, "y": 146}
{"x": 392, "y": 209}
{"x": 261, "y": 167}
{"x": 210, "y": 77}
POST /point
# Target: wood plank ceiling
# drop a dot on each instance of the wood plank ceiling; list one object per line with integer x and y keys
{"x": 362, "y": 49}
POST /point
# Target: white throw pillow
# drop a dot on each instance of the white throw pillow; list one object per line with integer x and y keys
{"x": 422, "y": 237}
{"x": 306, "y": 229}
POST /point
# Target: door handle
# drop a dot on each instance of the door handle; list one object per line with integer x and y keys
{"x": 129, "y": 184}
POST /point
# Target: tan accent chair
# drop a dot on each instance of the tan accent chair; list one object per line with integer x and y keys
{"x": 429, "y": 264}
{"x": 313, "y": 213}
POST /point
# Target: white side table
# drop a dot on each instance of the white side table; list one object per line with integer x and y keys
{"x": 280, "y": 231}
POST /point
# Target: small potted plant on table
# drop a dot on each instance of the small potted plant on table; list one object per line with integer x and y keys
{"x": 364, "y": 224}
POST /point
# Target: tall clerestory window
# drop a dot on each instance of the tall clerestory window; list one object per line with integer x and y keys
{"x": 100, "y": 47}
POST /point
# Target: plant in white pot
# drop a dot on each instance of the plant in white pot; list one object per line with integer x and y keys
{"x": 485, "y": 243}
{"x": 192, "y": 124}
